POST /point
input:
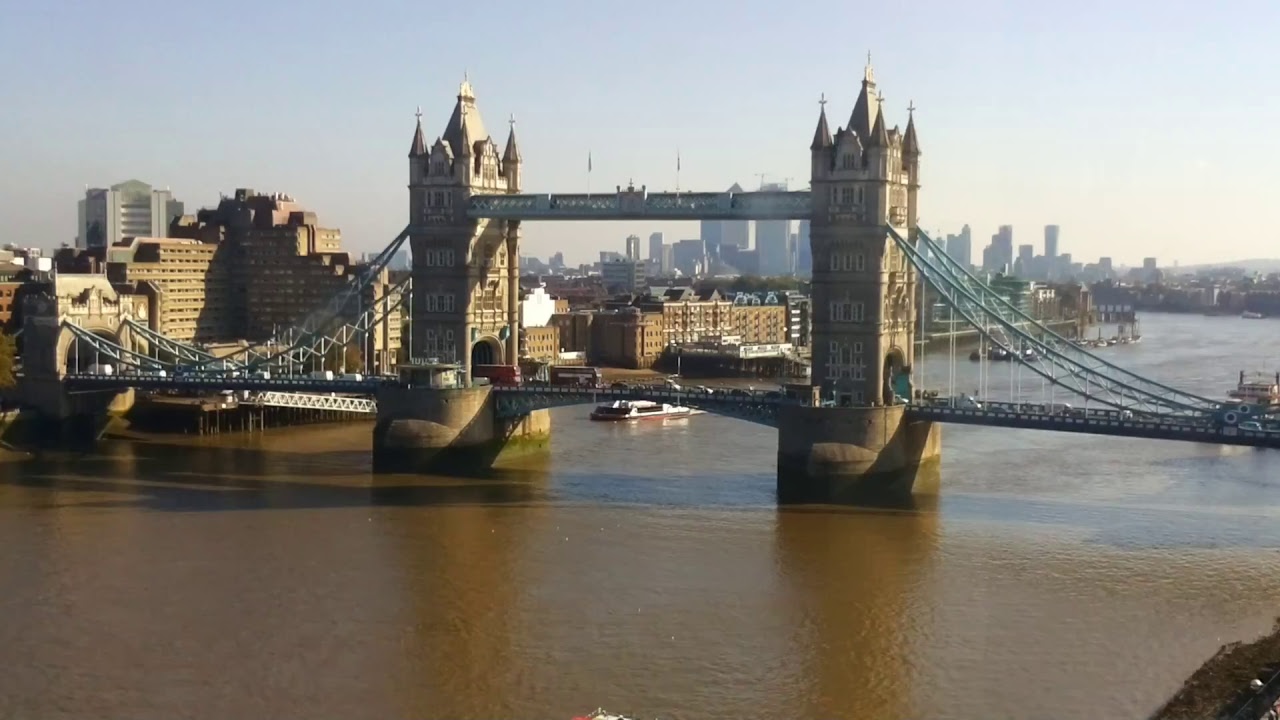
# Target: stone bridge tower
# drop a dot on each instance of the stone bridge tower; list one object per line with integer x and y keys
{"x": 864, "y": 177}
{"x": 466, "y": 272}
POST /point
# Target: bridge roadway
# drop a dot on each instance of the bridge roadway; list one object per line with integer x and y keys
{"x": 760, "y": 407}
{"x": 1114, "y": 423}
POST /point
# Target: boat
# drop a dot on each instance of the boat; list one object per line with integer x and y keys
{"x": 1251, "y": 315}
{"x": 600, "y": 714}
{"x": 1261, "y": 389}
{"x": 619, "y": 410}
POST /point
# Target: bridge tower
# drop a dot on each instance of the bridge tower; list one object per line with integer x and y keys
{"x": 466, "y": 272}
{"x": 865, "y": 178}
{"x": 466, "y": 306}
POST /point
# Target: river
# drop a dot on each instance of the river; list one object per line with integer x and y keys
{"x": 642, "y": 568}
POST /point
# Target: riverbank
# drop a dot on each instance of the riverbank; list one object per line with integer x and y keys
{"x": 1221, "y": 686}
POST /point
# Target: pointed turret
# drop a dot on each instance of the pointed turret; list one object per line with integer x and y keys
{"x": 866, "y": 107}
{"x": 879, "y": 135}
{"x": 910, "y": 145}
{"x": 822, "y": 135}
{"x": 418, "y": 147}
{"x": 511, "y": 159}
{"x": 512, "y": 153}
{"x": 465, "y": 127}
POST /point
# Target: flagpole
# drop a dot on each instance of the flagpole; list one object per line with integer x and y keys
{"x": 588, "y": 173}
{"x": 677, "y": 171}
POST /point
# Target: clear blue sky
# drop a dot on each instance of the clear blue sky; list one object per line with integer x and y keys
{"x": 1143, "y": 128}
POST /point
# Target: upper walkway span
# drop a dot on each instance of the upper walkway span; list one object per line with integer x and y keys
{"x": 631, "y": 203}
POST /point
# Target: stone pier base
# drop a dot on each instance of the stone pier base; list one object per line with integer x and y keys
{"x": 453, "y": 431}
{"x": 828, "y": 454}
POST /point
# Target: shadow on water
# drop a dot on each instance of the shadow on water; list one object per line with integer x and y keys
{"x": 204, "y": 478}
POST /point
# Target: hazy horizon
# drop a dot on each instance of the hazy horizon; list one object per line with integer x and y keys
{"x": 1130, "y": 127}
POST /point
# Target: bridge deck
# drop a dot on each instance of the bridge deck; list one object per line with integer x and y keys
{"x": 1110, "y": 424}
{"x": 758, "y": 407}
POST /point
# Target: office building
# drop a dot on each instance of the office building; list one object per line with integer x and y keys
{"x": 773, "y": 241}
{"x": 1051, "y": 241}
{"x": 128, "y": 209}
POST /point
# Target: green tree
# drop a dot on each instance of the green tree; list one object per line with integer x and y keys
{"x": 346, "y": 358}
{"x": 8, "y": 359}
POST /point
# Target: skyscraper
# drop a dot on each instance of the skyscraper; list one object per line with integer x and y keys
{"x": 658, "y": 256}
{"x": 633, "y": 248}
{"x": 773, "y": 240}
{"x": 1051, "y": 241}
{"x": 998, "y": 256}
{"x": 804, "y": 251}
{"x": 128, "y": 209}
{"x": 960, "y": 247}
{"x": 717, "y": 233}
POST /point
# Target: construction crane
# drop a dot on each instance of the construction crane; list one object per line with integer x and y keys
{"x": 762, "y": 176}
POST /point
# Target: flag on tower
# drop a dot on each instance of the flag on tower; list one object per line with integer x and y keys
{"x": 677, "y": 161}
{"x": 588, "y": 161}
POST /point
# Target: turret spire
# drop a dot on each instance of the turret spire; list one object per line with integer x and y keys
{"x": 419, "y": 146}
{"x": 512, "y": 153}
{"x": 465, "y": 127}
{"x": 910, "y": 144}
{"x": 864, "y": 109}
{"x": 822, "y": 135}
{"x": 879, "y": 135}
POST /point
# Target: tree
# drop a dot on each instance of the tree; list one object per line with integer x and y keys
{"x": 346, "y": 358}
{"x": 8, "y": 359}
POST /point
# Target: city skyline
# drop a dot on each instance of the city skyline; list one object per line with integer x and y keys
{"x": 1009, "y": 127}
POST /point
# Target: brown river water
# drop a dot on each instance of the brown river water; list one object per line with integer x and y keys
{"x": 641, "y": 568}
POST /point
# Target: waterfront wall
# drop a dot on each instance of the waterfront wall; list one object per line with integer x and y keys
{"x": 828, "y": 454}
{"x": 454, "y": 431}
{"x": 968, "y": 339}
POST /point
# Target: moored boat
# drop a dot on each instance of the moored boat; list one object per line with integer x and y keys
{"x": 600, "y": 714}
{"x": 620, "y": 410}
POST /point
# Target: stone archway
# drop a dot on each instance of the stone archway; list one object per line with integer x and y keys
{"x": 486, "y": 351}
{"x": 76, "y": 355}
{"x": 896, "y": 377}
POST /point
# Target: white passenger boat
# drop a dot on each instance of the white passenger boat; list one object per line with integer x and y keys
{"x": 620, "y": 410}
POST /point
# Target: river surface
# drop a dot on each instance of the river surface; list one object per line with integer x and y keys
{"x": 642, "y": 568}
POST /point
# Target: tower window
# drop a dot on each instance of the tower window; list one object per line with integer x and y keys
{"x": 859, "y": 262}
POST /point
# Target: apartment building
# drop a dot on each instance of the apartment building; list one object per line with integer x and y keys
{"x": 192, "y": 286}
{"x": 629, "y": 337}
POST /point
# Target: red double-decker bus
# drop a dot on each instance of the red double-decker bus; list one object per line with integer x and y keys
{"x": 497, "y": 374}
{"x": 576, "y": 375}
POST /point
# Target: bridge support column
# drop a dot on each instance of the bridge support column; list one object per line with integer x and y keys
{"x": 451, "y": 431}
{"x": 840, "y": 454}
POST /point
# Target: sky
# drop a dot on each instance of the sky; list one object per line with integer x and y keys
{"x": 1142, "y": 128}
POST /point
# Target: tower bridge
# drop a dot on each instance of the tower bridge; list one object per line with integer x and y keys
{"x": 862, "y": 423}
{"x": 466, "y": 206}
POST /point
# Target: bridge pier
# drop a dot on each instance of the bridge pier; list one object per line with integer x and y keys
{"x": 451, "y": 431}
{"x": 843, "y": 454}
